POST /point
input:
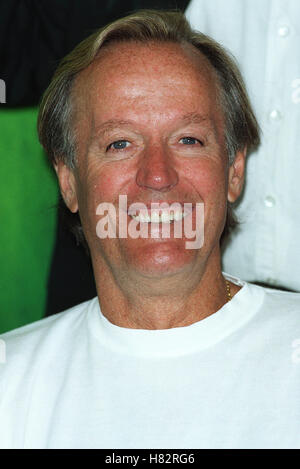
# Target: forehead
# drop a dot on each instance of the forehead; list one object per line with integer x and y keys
{"x": 154, "y": 77}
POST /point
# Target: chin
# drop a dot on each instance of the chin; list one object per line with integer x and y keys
{"x": 162, "y": 259}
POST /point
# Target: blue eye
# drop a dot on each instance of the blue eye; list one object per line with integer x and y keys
{"x": 190, "y": 141}
{"x": 118, "y": 145}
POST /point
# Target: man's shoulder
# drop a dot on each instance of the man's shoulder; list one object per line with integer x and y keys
{"x": 267, "y": 299}
{"x": 269, "y": 308}
{"x": 288, "y": 300}
{"x": 280, "y": 308}
{"x": 56, "y": 328}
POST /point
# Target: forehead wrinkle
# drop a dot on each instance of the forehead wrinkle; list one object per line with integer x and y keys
{"x": 197, "y": 62}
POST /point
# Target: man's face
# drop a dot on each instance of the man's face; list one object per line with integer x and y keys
{"x": 148, "y": 126}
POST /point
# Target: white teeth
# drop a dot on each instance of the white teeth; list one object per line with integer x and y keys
{"x": 156, "y": 217}
{"x": 166, "y": 217}
{"x": 179, "y": 216}
{"x": 144, "y": 218}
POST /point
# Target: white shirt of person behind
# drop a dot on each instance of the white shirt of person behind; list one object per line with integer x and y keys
{"x": 264, "y": 36}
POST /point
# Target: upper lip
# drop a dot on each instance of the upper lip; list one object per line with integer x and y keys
{"x": 156, "y": 203}
{"x": 154, "y": 206}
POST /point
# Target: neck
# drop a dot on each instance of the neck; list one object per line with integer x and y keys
{"x": 162, "y": 303}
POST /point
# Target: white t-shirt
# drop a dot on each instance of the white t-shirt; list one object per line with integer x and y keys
{"x": 232, "y": 380}
{"x": 264, "y": 36}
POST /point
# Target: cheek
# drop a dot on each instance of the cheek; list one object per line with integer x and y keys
{"x": 213, "y": 191}
{"x": 209, "y": 180}
{"x": 96, "y": 186}
{"x": 108, "y": 184}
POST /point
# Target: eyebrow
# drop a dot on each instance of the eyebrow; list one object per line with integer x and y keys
{"x": 112, "y": 124}
{"x": 195, "y": 118}
{"x": 189, "y": 118}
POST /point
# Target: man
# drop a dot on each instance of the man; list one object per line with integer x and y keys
{"x": 171, "y": 353}
{"x": 264, "y": 37}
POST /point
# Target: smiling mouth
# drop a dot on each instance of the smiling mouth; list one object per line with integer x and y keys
{"x": 159, "y": 216}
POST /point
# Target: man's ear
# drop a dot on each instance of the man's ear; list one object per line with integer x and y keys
{"x": 67, "y": 185}
{"x": 236, "y": 176}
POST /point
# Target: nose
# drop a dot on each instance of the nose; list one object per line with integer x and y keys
{"x": 156, "y": 170}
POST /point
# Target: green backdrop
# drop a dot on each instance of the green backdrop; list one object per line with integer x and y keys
{"x": 28, "y": 198}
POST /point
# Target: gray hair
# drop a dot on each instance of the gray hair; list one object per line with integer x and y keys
{"x": 55, "y": 116}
